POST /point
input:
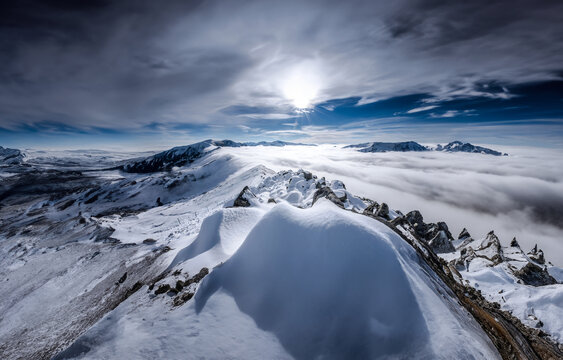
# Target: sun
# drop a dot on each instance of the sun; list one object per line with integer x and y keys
{"x": 301, "y": 86}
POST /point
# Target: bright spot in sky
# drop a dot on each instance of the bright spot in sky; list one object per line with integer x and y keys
{"x": 301, "y": 85}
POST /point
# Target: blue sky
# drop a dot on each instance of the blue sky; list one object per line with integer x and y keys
{"x": 136, "y": 74}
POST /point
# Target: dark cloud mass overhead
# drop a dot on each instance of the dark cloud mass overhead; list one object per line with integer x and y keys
{"x": 100, "y": 66}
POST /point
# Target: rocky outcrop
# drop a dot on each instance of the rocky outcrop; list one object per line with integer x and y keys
{"x": 327, "y": 192}
{"x": 243, "y": 197}
{"x": 491, "y": 249}
{"x": 532, "y": 274}
{"x": 383, "y": 211}
{"x": 537, "y": 255}
{"x": 441, "y": 243}
{"x": 514, "y": 243}
{"x": 464, "y": 234}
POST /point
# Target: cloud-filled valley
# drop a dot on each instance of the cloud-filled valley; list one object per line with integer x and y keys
{"x": 519, "y": 195}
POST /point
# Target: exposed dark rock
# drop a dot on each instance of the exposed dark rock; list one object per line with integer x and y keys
{"x": 464, "y": 234}
{"x": 271, "y": 200}
{"x": 492, "y": 243}
{"x": 327, "y": 192}
{"x": 514, "y": 243}
{"x": 441, "y": 243}
{"x": 242, "y": 198}
{"x": 179, "y": 285}
{"x": 414, "y": 217}
{"x": 183, "y": 298}
{"x": 532, "y": 274}
{"x": 149, "y": 241}
{"x": 162, "y": 289}
{"x": 307, "y": 175}
{"x": 123, "y": 278}
{"x": 92, "y": 199}
{"x": 383, "y": 211}
{"x": 158, "y": 202}
{"x": 371, "y": 209}
{"x": 537, "y": 255}
{"x": 198, "y": 277}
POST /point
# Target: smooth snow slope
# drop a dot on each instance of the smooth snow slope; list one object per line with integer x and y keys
{"x": 310, "y": 283}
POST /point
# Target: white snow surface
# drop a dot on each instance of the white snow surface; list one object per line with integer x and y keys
{"x": 278, "y": 269}
{"x": 307, "y": 283}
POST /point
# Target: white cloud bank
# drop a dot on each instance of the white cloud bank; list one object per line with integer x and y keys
{"x": 520, "y": 195}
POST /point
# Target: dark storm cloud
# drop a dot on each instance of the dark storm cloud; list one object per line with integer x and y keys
{"x": 128, "y": 64}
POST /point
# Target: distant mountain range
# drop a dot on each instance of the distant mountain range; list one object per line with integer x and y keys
{"x": 389, "y": 146}
{"x": 454, "y": 146}
{"x": 182, "y": 155}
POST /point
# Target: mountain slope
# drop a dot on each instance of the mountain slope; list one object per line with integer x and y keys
{"x": 316, "y": 283}
{"x": 458, "y": 146}
{"x": 388, "y": 146}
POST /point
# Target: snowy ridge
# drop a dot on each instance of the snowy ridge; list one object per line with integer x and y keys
{"x": 225, "y": 258}
{"x": 182, "y": 155}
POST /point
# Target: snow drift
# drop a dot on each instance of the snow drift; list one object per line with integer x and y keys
{"x": 330, "y": 284}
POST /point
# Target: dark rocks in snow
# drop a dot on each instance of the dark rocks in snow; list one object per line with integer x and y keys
{"x": 179, "y": 285}
{"x": 514, "y": 243}
{"x": 158, "y": 202}
{"x": 532, "y": 274}
{"x": 162, "y": 289}
{"x": 371, "y": 209}
{"x": 102, "y": 234}
{"x": 491, "y": 246}
{"x": 198, "y": 277}
{"x": 327, "y": 192}
{"x": 122, "y": 279}
{"x": 464, "y": 234}
{"x": 383, "y": 211}
{"x": 414, "y": 217}
{"x": 307, "y": 175}
{"x": 537, "y": 255}
{"x": 149, "y": 241}
{"x": 242, "y": 198}
{"x": 441, "y": 243}
{"x": 182, "y": 299}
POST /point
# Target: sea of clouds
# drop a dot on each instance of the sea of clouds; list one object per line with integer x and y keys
{"x": 520, "y": 195}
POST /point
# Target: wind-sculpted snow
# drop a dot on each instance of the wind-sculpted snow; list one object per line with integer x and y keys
{"x": 325, "y": 285}
{"x": 254, "y": 263}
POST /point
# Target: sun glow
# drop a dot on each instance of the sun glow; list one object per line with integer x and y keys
{"x": 301, "y": 86}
